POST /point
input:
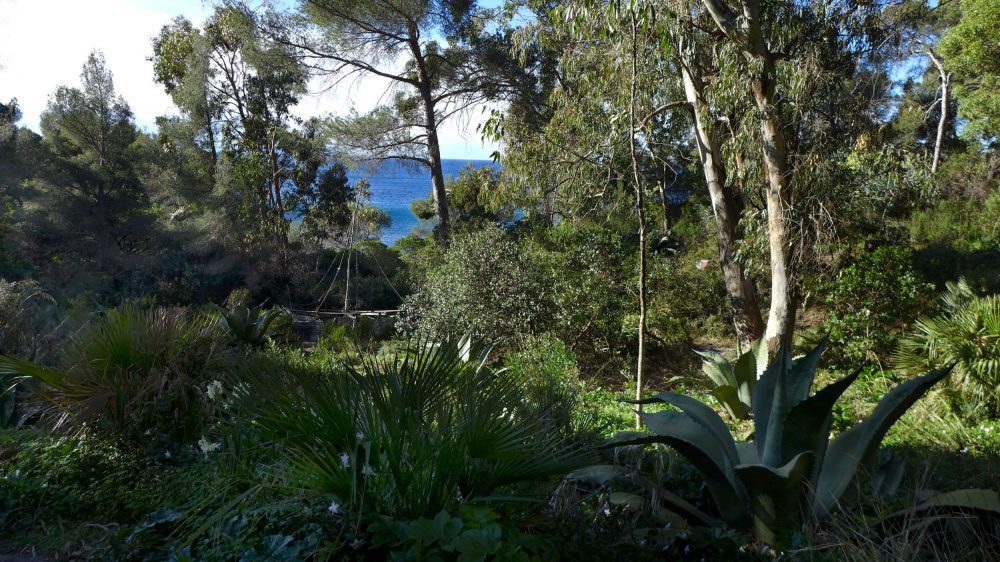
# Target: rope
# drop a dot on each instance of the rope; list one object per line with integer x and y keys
{"x": 330, "y": 288}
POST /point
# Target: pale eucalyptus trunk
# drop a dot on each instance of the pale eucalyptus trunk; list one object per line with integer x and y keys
{"x": 943, "y": 119}
{"x": 726, "y": 208}
{"x": 745, "y": 31}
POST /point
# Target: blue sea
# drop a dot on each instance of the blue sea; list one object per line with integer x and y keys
{"x": 395, "y": 185}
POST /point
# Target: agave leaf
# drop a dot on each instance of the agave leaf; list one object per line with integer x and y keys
{"x": 705, "y": 416}
{"x": 770, "y": 407}
{"x": 599, "y": 474}
{"x": 758, "y": 349}
{"x": 729, "y": 399}
{"x": 889, "y": 474}
{"x": 803, "y": 372}
{"x": 847, "y": 452}
{"x": 785, "y": 383}
{"x": 777, "y": 494}
{"x": 807, "y": 427}
{"x": 717, "y": 368}
{"x": 978, "y": 499}
{"x": 696, "y": 444}
{"x": 747, "y": 369}
{"x": 748, "y": 452}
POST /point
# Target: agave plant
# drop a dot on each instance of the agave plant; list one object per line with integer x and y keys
{"x": 128, "y": 371}
{"x": 409, "y": 434}
{"x": 968, "y": 335}
{"x": 732, "y": 384}
{"x": 253, "y": 326}
{"x": 792, "y": 469}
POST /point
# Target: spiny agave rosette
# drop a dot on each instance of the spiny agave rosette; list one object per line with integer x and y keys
{"x": 791, "y": 468}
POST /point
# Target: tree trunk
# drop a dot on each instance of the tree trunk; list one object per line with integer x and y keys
{"x": 726, "y": 207}
{"x": 433, "y": 145}
{"x": 781, "y": 316}
{"x": 943, "y": 119}
{"x": 640, "y": 206}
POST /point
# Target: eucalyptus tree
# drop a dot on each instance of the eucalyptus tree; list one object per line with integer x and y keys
{"x": 971, "y": 48}
{"x": 777, "y": 88}
{"x": 238, "y": 90}
{"x": 436, "y": 56}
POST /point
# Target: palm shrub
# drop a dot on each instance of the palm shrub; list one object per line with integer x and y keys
{"x": 408, "y": 434}
{"x": 792, "y": 469}
{"x": 253, "y": 326}
{"x": 132, "y": 372}
{"x": 966, "y": 334}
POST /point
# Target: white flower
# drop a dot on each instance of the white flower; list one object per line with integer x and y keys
{"x": 607, "y": 511}
{"x": 345, "y": 460}
{"x": 367, "y": 470}
{"x": 166, "y": 455}
{"x": 334, "y": 508}
{"x": 207, "y": 446}
{"x": 214, "y": 390}
{"x": 360, "y": 436}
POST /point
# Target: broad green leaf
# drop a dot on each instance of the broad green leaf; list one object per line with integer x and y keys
{"x": 847, "y": 452}
{"x": 777, "y": 495}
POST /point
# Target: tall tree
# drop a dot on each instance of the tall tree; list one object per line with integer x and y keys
{"x": 227, "y": 78}
{"x": 429, "y": 51}
{"x": 87, "y": 161}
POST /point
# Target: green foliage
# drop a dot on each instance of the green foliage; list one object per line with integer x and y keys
{"x": 253, "y": 326}
{"x": 870, "y": 300}
{"x": 550, "y": 376}
{"x": 792, "y": 468}
{"x": 475, "y": 535}
{"x": 970, "y": 48}
{"x": 485, "y": 285}
{"x": 136, "y": 374}
{"x": 406, "y": 435}
{"x": 732, "y": 384}
{"x": 961, "y": 224}
{"x": 966, "y": 334}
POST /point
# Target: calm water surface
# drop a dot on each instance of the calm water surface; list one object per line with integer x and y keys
{"x": 395, "y": 186}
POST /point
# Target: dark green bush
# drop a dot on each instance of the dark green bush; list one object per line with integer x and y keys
{"x": 135, "y": 374}
{"x": 871, "y": 301}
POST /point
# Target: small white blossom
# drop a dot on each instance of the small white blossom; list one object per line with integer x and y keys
{"x": 334, "y": 508}
{"x": 607, "y": 511}
{"x": 345, "y": 460}
{"x": 214, "y": 390}
{"x": 166, "y": 455}
{"x": 207, "y": 446}
{"x": 367, "y": 470}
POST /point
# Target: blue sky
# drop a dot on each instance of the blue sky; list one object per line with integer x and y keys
{"x": 43, "y": 44}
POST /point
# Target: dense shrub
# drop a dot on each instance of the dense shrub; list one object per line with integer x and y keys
{"x": 136, "y": 374}
{"x": 485, "y": 286}
{"x": 551, "y": 378}
{"x": 870, "y": 301}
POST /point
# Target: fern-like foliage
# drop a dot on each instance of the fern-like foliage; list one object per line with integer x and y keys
{"x": 407, "y": 434}
{"x": 129, "y": 372}
{"x": 966, "y": 334}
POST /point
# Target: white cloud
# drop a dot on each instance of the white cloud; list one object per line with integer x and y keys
{"x": 43, "y": 44}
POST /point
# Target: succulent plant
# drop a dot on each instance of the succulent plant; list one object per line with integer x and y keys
{"x": 732, "y": 384}
{"x": 792, "y": 469}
